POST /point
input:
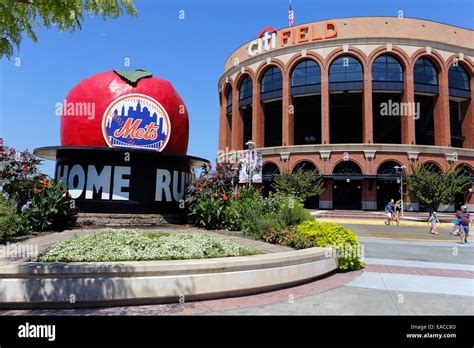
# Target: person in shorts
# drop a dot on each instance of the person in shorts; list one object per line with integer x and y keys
{"x": 433, "y": 220}
{"x": 398, "y": 211}
{"x": 389, "y": 209}
{"x": 455, "y": 229}
{"x": 464, "y": 223}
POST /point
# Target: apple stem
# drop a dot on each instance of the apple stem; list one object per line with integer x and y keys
{"x": 132, "y": 76}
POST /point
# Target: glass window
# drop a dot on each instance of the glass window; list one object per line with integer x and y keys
{"x": 246, "y": 88}
{"x": 425, "y": 72}
{"x": 345, "y": 69}
{"x": 229, "y": 98}
{"x": 271, "y": 80}
{"x": 458, "y": 78}
{"x": 307, "y": 72}
{"x": 387, "y": 68}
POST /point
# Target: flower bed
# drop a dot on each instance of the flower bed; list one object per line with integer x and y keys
{"x": 312, "y": 233}
{"x": 131, "y": 245}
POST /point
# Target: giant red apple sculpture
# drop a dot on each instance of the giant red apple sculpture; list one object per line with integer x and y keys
{"x": 125, "y": 109}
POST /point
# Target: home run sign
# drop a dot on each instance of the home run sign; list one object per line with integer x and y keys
{"x": 124, "y": 180}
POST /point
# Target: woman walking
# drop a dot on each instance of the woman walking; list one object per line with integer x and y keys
{"x": 398, "y": 211}
{"x": 433, "y": 219}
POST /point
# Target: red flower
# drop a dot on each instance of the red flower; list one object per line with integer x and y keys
{"x": 44, "y": 182}
{"x": 224, "y": 197}
{"x": 36, "y": 190}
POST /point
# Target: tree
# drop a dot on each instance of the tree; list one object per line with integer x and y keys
{"x": 432, "y": 188}
{"x": 19, "y": 17}
{"x": 302, "y": 184}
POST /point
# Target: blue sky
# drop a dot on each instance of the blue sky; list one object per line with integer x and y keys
{"x": 190, "y": 53}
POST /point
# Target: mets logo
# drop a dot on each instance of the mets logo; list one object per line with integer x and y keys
{"x": 138, "y": 121}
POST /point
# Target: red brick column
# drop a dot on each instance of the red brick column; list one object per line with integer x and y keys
{"x": 325, "y": 131}
{"x": 408, "y": 122}
{"x": 288, "y": 118}
{"x": 258, "y": 119}
{"x": 367, "y": 128}
{"x": 442, "y": 130}
{"x": 222, "y": 124}
{"x": 325, "y": 199}
{"x": 369, "y": 194}
{"x": 237, "y": 122}
{"x": 468, "y": 120}
{"x": 470, "y": 199}
{"x": 225, "y": 131}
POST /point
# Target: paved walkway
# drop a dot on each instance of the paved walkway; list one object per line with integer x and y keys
{"x": 425, "y": 275}
{"x": 403, "y": 232}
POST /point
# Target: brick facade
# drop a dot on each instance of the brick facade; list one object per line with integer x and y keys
{"x": 230, "y": 136}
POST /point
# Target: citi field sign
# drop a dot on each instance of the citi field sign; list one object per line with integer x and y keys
{"x": 270, "y": 38}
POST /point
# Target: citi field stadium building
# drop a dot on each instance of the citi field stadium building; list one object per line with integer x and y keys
{"x": 353, "y": 98}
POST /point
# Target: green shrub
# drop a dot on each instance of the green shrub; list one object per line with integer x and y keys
{"x": 276, "y": 211}
{"x": 288, "y": 237}
{"x": 293, "y": 213}
{"x": 51, "y": 207}
{"x": 328, "y": 234}
{"x": 12, "y": 224}
{"x": 20, "y": 169}
{"x": 256, "y": 225}
{"x": 214, "y": 204}
{"x": 302, "y": 184}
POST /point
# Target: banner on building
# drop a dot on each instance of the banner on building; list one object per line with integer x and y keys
{"x": 250, "y": 164}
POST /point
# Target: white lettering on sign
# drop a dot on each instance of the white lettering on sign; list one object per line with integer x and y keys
{"x": 163, "y": 185}
{"x": 110, "y": 182}
{"x": 76, "y": 186}
{"x": 98, "y": 182}
{"x": 267, "y": 38}
{"x": 119, "y": 183}
{"x": 265, "y": 41}
{"x": 76, "y": 181}
{"x": 163, "y": 180}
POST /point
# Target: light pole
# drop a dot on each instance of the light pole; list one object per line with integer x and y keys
{"x": 250, "y": 145}
{"x": 401, "y": 184}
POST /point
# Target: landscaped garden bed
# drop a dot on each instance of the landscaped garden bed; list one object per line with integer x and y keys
{"x": 110, "y": 245}
{"x": 280, "y": 218}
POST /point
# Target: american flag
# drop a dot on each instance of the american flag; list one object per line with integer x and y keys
{"x": 291, "y": 16}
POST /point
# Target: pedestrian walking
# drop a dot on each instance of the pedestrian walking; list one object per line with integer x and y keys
{"x": 433, "y": 220}
{"x": 397, "y": 211}
{"x": 389, "y": 211}
{"x": 455, "y": 228}
{"x": 464, "y": 223}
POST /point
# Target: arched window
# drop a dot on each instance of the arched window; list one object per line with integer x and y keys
{"x": 347, "y": 168}
{"x": 465, "y": 169}
{"x": 270, "y": 170}
{"x": 425, "y": 76}
{"x": 432, "y": 167}
{"x": 459, "y": 85}
{"x": 387, "y": 73}
{"x": 388, "y": 168}
{"x": 306, "y": 166}
{"x": 229, "y": 100}
{"x": 345, "y": 69}
{"x": 271, "y": 84}
{"x": 246, "y": 91}
{"x": 306, "y": 78}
